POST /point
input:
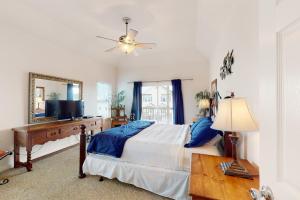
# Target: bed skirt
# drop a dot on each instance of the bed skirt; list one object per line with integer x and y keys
{"x": 168, "y": 183}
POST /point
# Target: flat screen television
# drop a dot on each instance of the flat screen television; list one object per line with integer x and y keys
{"x": 64, "y": 109}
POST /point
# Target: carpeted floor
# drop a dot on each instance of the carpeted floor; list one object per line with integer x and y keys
{"x": 55, "y": 178}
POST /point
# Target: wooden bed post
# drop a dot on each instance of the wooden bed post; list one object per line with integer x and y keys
{"x": 82, "y": 151}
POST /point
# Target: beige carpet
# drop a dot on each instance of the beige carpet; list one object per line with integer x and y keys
{"x": 55, "y": 178}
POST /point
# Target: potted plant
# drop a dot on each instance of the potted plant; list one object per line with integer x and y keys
{"x": 117, "y": 109}
{"x": 117, "y": 99}
{"x": 203, "y": 102}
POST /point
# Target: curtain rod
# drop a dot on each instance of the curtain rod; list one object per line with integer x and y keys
{"x": 185, "y": 79}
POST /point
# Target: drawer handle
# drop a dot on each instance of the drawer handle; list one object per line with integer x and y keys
{"x": 75, "y": 128}
{"x": 53, "y": 133}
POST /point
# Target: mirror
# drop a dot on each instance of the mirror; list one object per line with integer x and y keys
{"x": 44, "y": 89}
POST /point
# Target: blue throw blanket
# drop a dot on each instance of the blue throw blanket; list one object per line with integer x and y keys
{"x": 112, "y": 141}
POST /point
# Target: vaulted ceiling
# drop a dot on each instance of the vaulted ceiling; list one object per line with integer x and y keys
{"x": 177, "y": 26}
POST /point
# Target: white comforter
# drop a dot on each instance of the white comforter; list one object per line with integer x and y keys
{"x": 155, "y": 160}
{"x": 159, "y": 145}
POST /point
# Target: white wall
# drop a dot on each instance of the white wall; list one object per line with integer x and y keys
{"x": 166, "y": 66}
{"x": 238, "y": 31}
{"x": 21, "y": 52}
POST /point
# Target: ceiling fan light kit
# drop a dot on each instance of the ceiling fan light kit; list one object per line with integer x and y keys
{"x": 126, "y": 43}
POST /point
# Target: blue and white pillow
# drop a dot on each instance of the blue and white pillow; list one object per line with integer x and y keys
{"x": 201, "y": 133}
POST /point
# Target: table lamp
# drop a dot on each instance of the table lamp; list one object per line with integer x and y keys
{"x": 234, "y": 116}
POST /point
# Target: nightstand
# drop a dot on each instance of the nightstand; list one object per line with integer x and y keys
{"x": 207, "y": 180}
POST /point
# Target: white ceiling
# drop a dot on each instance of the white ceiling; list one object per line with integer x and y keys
{"x": 73, "y": 24}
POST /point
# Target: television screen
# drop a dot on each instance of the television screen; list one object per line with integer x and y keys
{"x": 64, "y": 109}
{"x": 79, "y": 109}
{"x": 51, "y": 108}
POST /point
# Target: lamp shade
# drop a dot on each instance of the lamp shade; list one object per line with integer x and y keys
{"x": 234, "y": 116}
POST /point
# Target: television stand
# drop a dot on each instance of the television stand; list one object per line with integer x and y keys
{"x": 28, "y": 136}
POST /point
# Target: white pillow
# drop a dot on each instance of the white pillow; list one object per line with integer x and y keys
{"x": 215, "y": 140}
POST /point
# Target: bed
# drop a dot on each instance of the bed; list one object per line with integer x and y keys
{"x": 154, "y": 159}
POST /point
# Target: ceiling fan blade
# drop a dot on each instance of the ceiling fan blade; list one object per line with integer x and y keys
{"x": 132, "y": 34}
{"x": 145, "y": 45}
{"x": 111, "y": 49}
{"x": 107, "y": 38}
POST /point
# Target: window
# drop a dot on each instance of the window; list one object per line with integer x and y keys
{"x": 164, "y": 98}
{"x": 76, "y": 91}
{"x": 104, "y": 93}
{"x": 147, "y": 98}
{"x": 157, "y": 103}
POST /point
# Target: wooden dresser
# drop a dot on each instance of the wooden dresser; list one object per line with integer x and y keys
{"x": 117, "y": 122}
{"x": 207, "y": 180}
{"x": 31, "y": 135}
{"x": 118, "y": 116}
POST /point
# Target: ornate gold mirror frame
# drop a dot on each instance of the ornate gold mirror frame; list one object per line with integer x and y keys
{"x": 32, "y": 92}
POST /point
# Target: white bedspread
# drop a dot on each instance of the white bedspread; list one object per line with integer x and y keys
{"x": 155, "y": 160}
{"x": 160, "y": 145}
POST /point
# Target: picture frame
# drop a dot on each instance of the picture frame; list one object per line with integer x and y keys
{"x": 40, "y": 93}
{"x": 215, "y": 96}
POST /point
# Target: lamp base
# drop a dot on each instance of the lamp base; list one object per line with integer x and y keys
{"x": 235, "y": 169}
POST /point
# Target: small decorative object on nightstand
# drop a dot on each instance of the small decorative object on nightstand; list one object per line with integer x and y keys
{"x": 234, "y": 116}
{"x": 208, "y": 182}
{"x": 3, "y": 154}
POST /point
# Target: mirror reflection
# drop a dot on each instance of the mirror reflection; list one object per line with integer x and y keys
{"x": 49, "y": 92}
{"x": 46, "y": 91}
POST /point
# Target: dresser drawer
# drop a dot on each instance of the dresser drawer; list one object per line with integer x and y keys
{"x": 39, "y": 138}
{"x": 91, "y": 125}
{"x": 70, "y": 130}
{"x": 53, "y": 134}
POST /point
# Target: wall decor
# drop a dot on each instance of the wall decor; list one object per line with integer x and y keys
{"x": 40, "y": 93}
{"x": 228, "y": 61}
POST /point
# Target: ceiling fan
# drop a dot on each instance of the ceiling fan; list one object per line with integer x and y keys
{"x": 127, "y": 43}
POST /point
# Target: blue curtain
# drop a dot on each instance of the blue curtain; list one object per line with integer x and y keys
{"x": 70, "y": 94}
{"x": 178, "y": 111}
{"x": 136, "y": 108}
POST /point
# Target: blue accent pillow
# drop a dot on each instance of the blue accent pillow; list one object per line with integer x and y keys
{"x": 199, "y": 120}
{"x": 202, "y": 133}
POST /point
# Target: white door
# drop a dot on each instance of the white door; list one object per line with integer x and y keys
{"x": 280, "y": 97}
